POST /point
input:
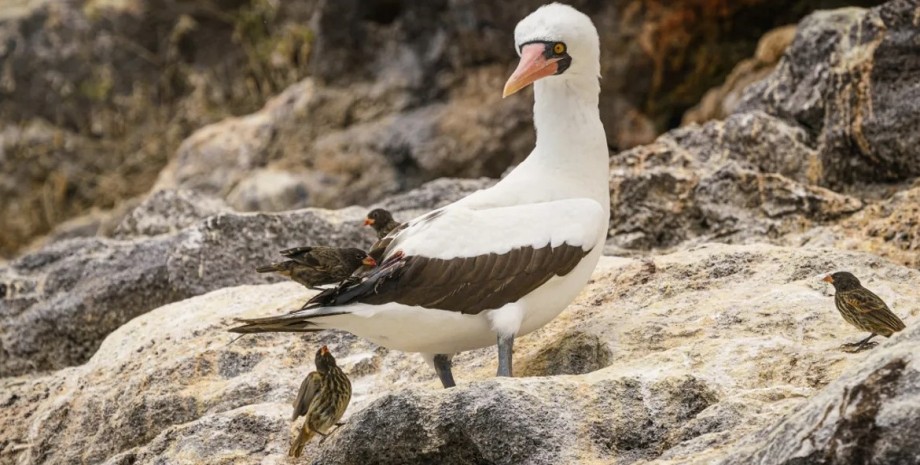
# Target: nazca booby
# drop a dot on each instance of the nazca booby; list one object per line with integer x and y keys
{"x": 503, "y": 261}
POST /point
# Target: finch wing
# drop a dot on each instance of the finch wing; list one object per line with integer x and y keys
{"x": 872, "y": 308}
{"x": 303, "y": 255}
{"x": 864, "y": 301}
{"x": 308, "y": 388}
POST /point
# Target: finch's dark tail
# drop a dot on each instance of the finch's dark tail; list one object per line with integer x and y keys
{"x": 271, "y": 268}
{"x": 302, "y": 439}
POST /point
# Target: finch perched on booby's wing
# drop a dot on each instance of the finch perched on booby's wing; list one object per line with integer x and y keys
{"x": 503, "y": 261}
{"x": 318, "y": 266}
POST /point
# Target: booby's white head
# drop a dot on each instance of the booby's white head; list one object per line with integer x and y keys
{"x": 555, "y": 42}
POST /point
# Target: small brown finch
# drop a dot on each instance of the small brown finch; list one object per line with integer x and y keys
{"x": 323, "y": 397}
{"x": 316, "y": 266}
{"x": 862, "y": 309}
{"x": 382, "y": 221}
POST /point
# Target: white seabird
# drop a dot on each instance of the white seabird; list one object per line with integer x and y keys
{"x": 503, "y": 261}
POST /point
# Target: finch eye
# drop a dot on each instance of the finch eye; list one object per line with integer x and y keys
{"x": 559, "y": 48}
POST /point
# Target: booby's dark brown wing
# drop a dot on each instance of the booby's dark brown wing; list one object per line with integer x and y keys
{"x": 465, "y": 284}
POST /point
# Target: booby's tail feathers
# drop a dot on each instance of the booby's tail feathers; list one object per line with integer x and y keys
{"x": 296, "y": 322}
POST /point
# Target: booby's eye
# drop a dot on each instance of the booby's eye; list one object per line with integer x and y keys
{"x": 559, "y": 48}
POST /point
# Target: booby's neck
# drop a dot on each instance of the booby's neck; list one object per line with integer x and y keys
{"x": 571, "y": 144}
{"x": 565, "y": 111}
{"x": 570, "y": 158}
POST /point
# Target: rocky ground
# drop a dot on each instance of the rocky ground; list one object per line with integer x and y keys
{"x": 705, "y": 336}
{"x": 693, "y": 357}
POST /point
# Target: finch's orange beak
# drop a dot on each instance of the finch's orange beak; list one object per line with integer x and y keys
{"x": 324, "y": 350}
{"x": 368, "y": 221}
{"x": 369, "y": 261}
{"x": 828, "y": 279}
{"x": 533, "y": 66}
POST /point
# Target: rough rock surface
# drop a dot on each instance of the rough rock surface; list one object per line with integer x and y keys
{"x": 733, "y": 180}
{"x": 60, "y": 302}
{"x": 98, "y": 222}
{"x": 871, "y": 414}
{"x": 168, "y": 211}
{"x": 268, "y": 189}
{"x": 721, "y": 101}
{"x": 572, "y": 353}
{"x": 889, "y": 228}
{"x": 850, "y": 79}
{"x": 707, "y": 348}
{"x": 57, "y": 304}
{"x": 96, "y": 95}
{"x": 332, "y": 158}
{"x": 811, "y": 144}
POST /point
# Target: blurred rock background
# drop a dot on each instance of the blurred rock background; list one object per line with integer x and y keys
{"x": 320, "y": 103}
{"x": 155, "y": 151}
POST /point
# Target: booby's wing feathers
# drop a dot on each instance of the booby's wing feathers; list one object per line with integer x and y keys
{"x": 378, "y": 250}
{"x": 473, "y": 260}
{"x": 468, "y": 232}
{"x": 468, "y": 285}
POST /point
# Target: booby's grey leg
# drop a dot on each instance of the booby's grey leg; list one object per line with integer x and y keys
{"x": 505, "y": 348}
{"x": 442, "y": 367}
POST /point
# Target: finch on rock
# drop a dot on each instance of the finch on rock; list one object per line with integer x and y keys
{"x": 317, "y": 266}
{"x": 862, "y": 309}
{"x": 323, "y": 397}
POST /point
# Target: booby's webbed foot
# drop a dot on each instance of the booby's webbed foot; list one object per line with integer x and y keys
{"x": 442, "y": 365}
{"x": 505, "y": 349}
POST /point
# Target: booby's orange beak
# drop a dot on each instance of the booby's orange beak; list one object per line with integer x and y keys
{"x": 828, "y": 279}
{"x": 324, "y": 350}
{"x": 534, "y": 65}
{"x": 369, "y": 261}
{"x": 368, "y": 221}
